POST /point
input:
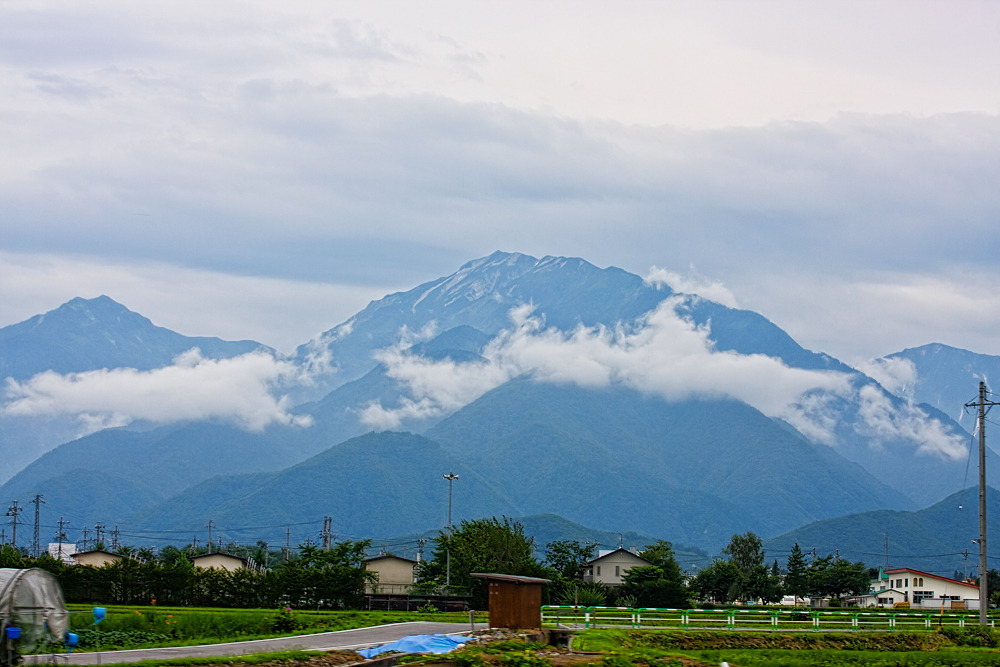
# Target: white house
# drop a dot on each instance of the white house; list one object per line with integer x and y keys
{"x": 609, "y": 567}
{"x": 63, "y": 551}
{"x": 919, "y": 589}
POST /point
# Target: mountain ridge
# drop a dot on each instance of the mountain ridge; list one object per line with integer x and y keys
{"x": 454, "y": 324}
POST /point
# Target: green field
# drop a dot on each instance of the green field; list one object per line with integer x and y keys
{"x": 135, "y": 627}
{"x": 148, "y": 626}
{"x": 622, "y": 648}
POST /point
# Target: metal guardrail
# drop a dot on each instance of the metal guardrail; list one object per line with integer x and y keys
{"x": 567, "y": 616}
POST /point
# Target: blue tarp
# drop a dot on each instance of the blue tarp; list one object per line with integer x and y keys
{"x": 418, "y": 644}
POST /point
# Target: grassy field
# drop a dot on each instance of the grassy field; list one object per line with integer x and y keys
{"x": 134, "y": 627}
{"x": 147, "y": 626}
{"x": 622, "y": 648}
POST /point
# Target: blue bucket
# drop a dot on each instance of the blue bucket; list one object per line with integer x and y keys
{"x": 13, "y": 633}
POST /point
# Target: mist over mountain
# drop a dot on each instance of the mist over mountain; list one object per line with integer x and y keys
{"x": 83, "y": 335}
{"x": 555, "y": 386}
{"x": 564, "y": 292}
{"x": 941, "y": 376}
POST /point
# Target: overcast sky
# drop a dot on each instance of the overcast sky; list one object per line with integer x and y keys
{"x": 247, "y": 170}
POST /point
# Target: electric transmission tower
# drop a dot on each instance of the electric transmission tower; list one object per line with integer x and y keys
{"x": 38, "y": 502}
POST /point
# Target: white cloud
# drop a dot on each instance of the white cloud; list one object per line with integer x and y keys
{"x": 239, "y": 390}
{"x": 897, "y": 374}
{"x": 667, "y": 355}
{"x": 435, "y": 387}
{"x": 693, "y": 283}
{"x": 884, "y": 420}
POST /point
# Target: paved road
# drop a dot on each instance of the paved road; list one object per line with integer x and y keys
{"x": 324, "y": 641}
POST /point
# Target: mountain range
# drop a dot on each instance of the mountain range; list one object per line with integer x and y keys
{"x": 549, "y": 385}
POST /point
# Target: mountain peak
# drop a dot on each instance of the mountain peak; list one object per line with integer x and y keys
{"x": 99, "y": 308}
{"x": 85, "y": 334}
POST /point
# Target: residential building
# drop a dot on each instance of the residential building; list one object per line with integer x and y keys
{"x": 394, "y": 574}
{"x": 609, "y": 567}
{"x": 96, "y": 557}
{"x": 220, "y": 561}
{"x": 63, "y": 551}
{"x": 919, "y": 589}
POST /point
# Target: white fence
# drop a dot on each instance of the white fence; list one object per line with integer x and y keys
{"x": 749, "y": 619}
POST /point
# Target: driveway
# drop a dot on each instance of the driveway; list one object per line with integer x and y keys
{"x": 343, "y": 640}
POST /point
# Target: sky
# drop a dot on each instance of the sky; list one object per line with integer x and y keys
{"x": 256, "y": 171}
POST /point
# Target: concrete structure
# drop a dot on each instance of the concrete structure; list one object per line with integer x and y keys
{"x": 96, "y": 558}
{"x": 220, "y": 561}
{"x": 515, "y": 601}
{"x": 919, "y": 589}
{"x": 63, "y": 551}
{"x": 395, "y": 574}
{"x": 609, "y": 567}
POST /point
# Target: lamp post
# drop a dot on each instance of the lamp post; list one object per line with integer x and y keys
{"x": 451, "y": 477}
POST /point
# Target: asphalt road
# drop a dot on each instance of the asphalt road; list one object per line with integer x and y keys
{"x": 343, "y": 640}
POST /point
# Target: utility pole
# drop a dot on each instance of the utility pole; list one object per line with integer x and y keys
{"x": 34, "y": 544}
{"x": 982, "y": 404}
{"x": 420, "y": 550}
{"x": 327, "y": 533}
{"x": 61, "y": 537}
{"x": 86, "y": 544}
{"x": 451, "y": 477}
{"x": 288, "y": 542}
{"x": 99, "y": 534}
{"x": 13, "y": 511}
{"x": 209, "y": 536}
{"x": 114, "y": 539}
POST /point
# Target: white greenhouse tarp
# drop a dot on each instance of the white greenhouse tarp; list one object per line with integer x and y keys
{"x": 32, "y": 601}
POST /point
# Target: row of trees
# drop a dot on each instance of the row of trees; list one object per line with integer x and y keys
{"x": 315, "y": 579}
{"x": 499, "y": 545}
{"x": 336, "y": 577}
{"x": 744, "y": 576}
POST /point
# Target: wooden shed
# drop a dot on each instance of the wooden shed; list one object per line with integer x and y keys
{"x": 515, "y": 601}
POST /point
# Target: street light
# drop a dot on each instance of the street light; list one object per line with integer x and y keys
{"x": 451, "y": 477}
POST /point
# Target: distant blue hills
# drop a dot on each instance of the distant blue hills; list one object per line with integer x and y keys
{"x": 615, "y": 459}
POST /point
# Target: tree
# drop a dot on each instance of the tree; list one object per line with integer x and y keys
{"x": 838, "y": 578}
{"x": 716, "y": 581}
{"x": 797, "y": 577}
{"x": 661, "y": 554}
{"x": 493, "y": 545}
{"x": 331, "y": 578}
{"x": 745, "y": 552}
{"x": 568, "y": 558}
{"x": 648, "y": 586}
